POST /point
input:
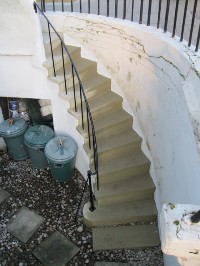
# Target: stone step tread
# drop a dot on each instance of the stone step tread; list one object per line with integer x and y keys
{"x": 118, "y": 140}
{"x": 58, "y": 56}
{"x": 95, "y": 84}
{"x": 55, "y": 41}
{"x": 104, "y": 263}
{"x": 54, "y": 37}
{"x": 125, "y": 237}
{"x": 99, "y": 104}
{"x": 123, "y": 162}
{"x": 117, "y": 120}
{"x": 131, "y": 185}
{"x": 81, "y": 65}
{"x": 121, "y": 213}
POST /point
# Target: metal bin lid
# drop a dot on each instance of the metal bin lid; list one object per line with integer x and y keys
{"x": 38, "y": 136}
{"x": 61, "y": 149}
{"x": 9, "y": 130}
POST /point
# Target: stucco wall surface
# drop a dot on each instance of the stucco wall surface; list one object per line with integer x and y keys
{"x": 159, "y": 79}
{"x": 21, "y": 68}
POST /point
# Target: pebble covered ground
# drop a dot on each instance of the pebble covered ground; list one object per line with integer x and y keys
{"x": 57, "y": 203}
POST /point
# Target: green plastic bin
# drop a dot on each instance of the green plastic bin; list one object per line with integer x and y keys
{"x": 36, "y": 138}
{"x": 61, "y": 154}
{"x": 13, "y": 135}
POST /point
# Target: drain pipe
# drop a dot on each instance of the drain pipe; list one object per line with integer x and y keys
{"x": 180, "y": 232}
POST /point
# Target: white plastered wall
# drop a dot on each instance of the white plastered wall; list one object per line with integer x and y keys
{"x": 21, "y": 68}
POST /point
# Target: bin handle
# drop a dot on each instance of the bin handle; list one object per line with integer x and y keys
{"x": 11, "y": 121}
{"x": 60, "y": 143}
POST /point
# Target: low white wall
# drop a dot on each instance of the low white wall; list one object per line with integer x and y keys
{"x": 21, "y": 68}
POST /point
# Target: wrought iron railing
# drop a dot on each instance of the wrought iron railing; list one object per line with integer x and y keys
{"x": 86, "y": 118}
{"x": 180, "y": 17}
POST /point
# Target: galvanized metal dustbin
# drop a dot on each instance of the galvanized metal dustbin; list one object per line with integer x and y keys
{"x": 12, "y": 130}
{"x": 61, "y": 154}
{"x": 36, "y": 138}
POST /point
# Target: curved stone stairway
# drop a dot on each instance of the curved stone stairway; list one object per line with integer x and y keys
{"x": 126, "y": 194}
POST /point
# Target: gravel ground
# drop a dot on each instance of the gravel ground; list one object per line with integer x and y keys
{"x": 57, "y": 203}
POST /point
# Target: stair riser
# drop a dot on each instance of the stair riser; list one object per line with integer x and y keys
{"x": 98, "y": 113}
{"x": 116, "y": 152}
{"x": 59, "y": 64}
{"x": 91, "y": 94}
{"x": 127, "y": 196}
{"x": 84, "y": 74}
{"x": 125, "y": 173}
{"x": 104, "y": 133}
{"x": 123, "y": 220}
{"x": 55, "y": 44}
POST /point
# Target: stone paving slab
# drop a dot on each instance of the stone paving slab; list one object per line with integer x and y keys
{"x": 125, "y": 237}
{"x": 3, "y": 195}
{"x": 25, "y": 224}
{"x": 56, "y": 250}
{"x": 110, "y": 264}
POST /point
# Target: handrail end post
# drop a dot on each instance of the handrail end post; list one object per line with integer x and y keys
{"x": 92, "y": 207}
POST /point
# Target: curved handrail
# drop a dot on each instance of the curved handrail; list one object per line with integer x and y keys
{"x": 89, "y": 118}
{"x": 126, "y": 9}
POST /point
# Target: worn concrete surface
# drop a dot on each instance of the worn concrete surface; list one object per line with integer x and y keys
{"x": 56, "y": 250}
{"x": 24, "y": 224}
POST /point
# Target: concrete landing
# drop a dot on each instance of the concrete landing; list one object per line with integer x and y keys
{"x": 111, "y": 264}
{"x": 3, "y": 195}
{"x": 125, "y": 237}
{"x": 56, "y": 250}
{"x": 25, "y": 224}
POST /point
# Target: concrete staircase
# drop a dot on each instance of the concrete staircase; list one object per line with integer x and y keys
{"x": 126, "y": 193}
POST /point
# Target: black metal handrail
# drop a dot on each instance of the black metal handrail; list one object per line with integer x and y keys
{"x": 89, "y": 120}
{"x": 120, "y": 9}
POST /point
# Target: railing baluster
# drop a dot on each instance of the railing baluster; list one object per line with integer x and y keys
{"x": 141, "y": 11}
{"x": 88, "y": 6}
{"x": 124, "y": 10}
{"x": 116, "y": 8}
{"x": 43, "y": 6}
{"x": 62, "y": 6}
{"x": 63, "y": 60}
{"x": 51, "y": 50}
{"x": 184, "y": 17}
{"x": 192, "y": 24}
{"x": 175, "y": 18}
{"x": 98, "y": 7}
{"x": 74, "y": 90}
{"x": 166, "y": 15}
{"x": 81, "y": 107}
{"x": 149, "y": 13}
{"x": 88, "y": 123}
{"x": 72, "y": 7}
{"x": 80, "y": 6}
{"x": 132, "y": 10}
{"x": 108, "y": 8}
{"x": 159, "y": 12}
{"x": 197, "y": 43}
{"x": 54, "y": 5}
